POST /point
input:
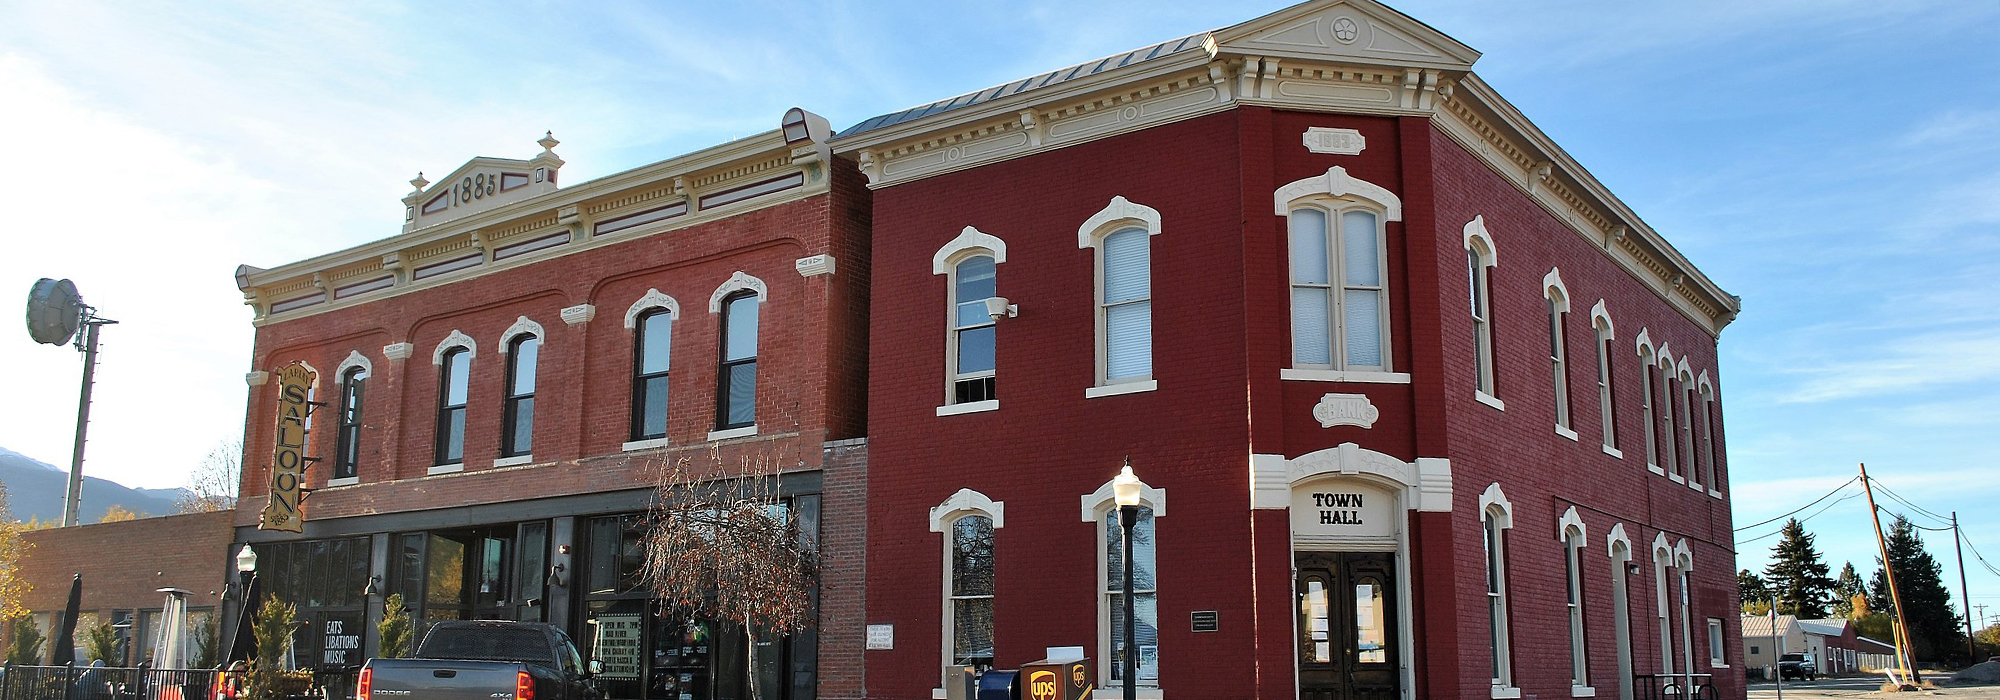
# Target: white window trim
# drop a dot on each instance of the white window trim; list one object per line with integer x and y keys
{"x": 1493, "y": 504}
{"x": 1489, "y": 400}
{"x": 1119, "y": 215}
{"x": 1333, "y": 206}
{"x": 737, "y": 282}
{"x": 1648, "y": 413}
{"x": 1573, "y": 534}
{"x": 1619, "y": 547}
{"x": 445, "y": 469}
{"x": 521, "y": 326}
{"x": 1691, "y": 461}
{"x": 1663, "y": 556}
{"x": 354, "y": 359}
{"x": 343, "y": 481}
{"x": 652, "y": 299}
{"x": 1557, "y": 294}
{"x": 1341, "y": 375}
{"x": 745, "y": 431}
{"x": 1669, "y": 447}
{"x": 954, "y": 409}
{"x": 1479, "y": 242}
{"x": 1095, "y": 505}
{"x": 970, "y": 243}
{"x": 637, "y": 445}
{"x": 1715, "y": 629}
{"x": 1708, "y": 399}
{"x": 961, "y": 504}
{"x": 455, "y": 340}
{"x": 514, "y": 461}
{"x": 1124, "y": 387}
{"x": 1606, "y": 334}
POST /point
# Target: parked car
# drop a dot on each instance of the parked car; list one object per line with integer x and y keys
{"x": 1797, "y": 666}
{"x": 483, "y": 660}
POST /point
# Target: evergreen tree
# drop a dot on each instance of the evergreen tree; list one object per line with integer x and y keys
{"x": 1934, "y": 624}
{"x": 1798, "y": 579}
{"x": 1751, "y": 590}
{"x": 1845, "y": 587}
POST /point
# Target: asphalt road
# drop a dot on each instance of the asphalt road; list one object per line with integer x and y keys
{"x": 1864, "y": 686}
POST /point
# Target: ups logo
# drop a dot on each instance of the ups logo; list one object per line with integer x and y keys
{"x": 1042, "y": 686}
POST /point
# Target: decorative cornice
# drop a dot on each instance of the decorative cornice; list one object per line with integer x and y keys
{"x": 455, "y": 340}
{"x": 652, "y": 299}
{"x": 737, "y": 282}
{"x": 521, "y": 325}
{"x": 968, "y": 239}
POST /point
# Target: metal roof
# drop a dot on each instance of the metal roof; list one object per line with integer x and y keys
{"x": 1191, "y": 42}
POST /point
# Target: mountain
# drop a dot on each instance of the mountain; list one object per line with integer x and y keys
{"x": 35, "y": 490}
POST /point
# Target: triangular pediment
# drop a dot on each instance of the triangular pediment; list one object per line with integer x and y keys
{"x": 480, "y": 184}
{"x": 1347, "y": 31}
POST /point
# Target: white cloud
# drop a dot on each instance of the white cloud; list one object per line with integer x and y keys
{"x": 1902, "y": 364}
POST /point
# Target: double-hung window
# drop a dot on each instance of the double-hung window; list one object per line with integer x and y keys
{"x": 1670, "y": 457}
{"x": 1340, "y": 299}
{"x": 1573, "y": 566}
{"x": 736, "y": 390}
{"x": 1708, "y": 435}
{"x": 1492, "y": 527}
{"x": 347, "y": 453}
{"x": 1607, "y": 417}
{"x": 1145, "y": 598}
{"x": 651, "y": 354}
{"x": 518, "y": 429}
{"x": 454, "y": 376}
{"x": 1692, "y": 462}
{"x": 969, "y": 556}
{"x": 1480, "y": 286}
{"x": 1647, "y": 414}
{"x": 972, "y": 341}
{"x": 1558, "y": 304}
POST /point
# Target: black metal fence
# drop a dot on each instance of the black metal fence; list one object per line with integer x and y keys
{"x": 103, "y": 683}
{"x": 1663, "y": 686}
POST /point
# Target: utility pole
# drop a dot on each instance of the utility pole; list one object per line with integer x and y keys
{"x": 73, "y": 496}
{"x": 1903, "y": 652}
{"x": 1958, "y": 543}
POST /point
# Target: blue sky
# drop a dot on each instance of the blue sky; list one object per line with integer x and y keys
{"x": 1834, "y": 163}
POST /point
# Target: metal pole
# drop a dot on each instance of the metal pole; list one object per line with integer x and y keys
{"x": 1904, "y": 655}
{"x": 75, "y": 493}
{"x": 1958, "y": 543}
{"x": 1778, "y": 665}
{"x": 1129, "y": 515}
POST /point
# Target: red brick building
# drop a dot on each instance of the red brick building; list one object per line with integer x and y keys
{"x": 505, "y": 380}
{"x": 1438, "y": 414}
{"x": 124, "y": 565}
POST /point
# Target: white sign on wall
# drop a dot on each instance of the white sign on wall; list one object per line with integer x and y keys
{"x": 617, "y": 646}
{"x": 1339, "y": 509}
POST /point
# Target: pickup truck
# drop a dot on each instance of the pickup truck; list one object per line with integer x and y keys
{"x": 482, "y": 660}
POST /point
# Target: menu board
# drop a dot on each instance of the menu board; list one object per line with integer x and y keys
{"x": 617, "y": 646}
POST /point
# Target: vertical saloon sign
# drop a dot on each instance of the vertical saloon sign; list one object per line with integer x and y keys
{"x": 288, "y": 459}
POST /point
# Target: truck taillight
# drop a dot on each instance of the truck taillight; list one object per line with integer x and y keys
{"x": 363, "y": 687}
{"x": 524, "y": 686}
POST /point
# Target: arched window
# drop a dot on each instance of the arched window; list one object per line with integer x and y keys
{"x": 652, "y": 348}
{"x": 1662, "y": 569}
{"x": 1558, "y": 303}
{"x": 1620, "y": 548}
{"x": 1669, "y": 456}
{"x": 736, "y": 390}
{"x": 1479, "y": 261}
{"x": 454, "y": 376}
{"x": 1607, "y": 412}
{"x": 972, "y": 345}
{"x": 1647, "y": 415}
{"x": 518, "y": 429}
{"x": 1691, "y": 460}
{"x": 1145, "y": 596}
{"x": 1496, "y": 516}
{"x": 1571, "y": 529}
{"x": 1708, "y": 433}
{"x": 1339, "y": 290}
{"x": 969, "y": 567}
{"x": 347, "y": 451}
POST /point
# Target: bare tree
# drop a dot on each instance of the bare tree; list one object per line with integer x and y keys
{"x": 725, "y": 548}
{"x": 212, "y": 485}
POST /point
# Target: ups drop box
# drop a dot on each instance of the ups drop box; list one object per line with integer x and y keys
{"x": 1055, "y": 680}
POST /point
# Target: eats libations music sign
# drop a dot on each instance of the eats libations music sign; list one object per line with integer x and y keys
{"x": 288, "y": 459}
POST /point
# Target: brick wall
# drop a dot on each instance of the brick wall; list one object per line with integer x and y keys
{"x": 124, "y": 563}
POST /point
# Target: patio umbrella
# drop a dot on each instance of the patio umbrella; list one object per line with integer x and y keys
{"x": 243, "y": 641}
{"x": 64, "y": 652}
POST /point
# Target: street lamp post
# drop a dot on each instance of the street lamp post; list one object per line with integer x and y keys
{"x": 1126, "y": 487}
{"x": 246, "y": 565}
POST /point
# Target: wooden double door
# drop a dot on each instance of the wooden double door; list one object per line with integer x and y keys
{"x": 1347, "y": 634}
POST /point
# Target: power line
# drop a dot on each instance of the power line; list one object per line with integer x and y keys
{"x": 1768, "y": 535}
{"x": 1905, "y": 501}
{"x": 1815, "y": 501}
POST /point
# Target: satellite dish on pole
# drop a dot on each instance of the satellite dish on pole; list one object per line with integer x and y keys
{"x": 54, "y": 311}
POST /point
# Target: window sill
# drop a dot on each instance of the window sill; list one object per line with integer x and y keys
{"x": 1116, "y": 689}
{"x": 969, "y": 407}
{"x": 1489, "y": 400}
{"x": 1506, "y": 692}
{"x": 1582, "y": 691}
{"x": 1714, "y": 493}
{"x": 1712, "y": 663}
{"x": 343, "y": 481}
{"x": 1337, "y": 375}
{"x": 745, "y": 431}
{"x": 1654, "y": 468}
{"x": 937, "y": 694}
{"x": 1613, "y": 451}
{"x": 1566, "y": 432}
{"x": 514, "y": 461}
{"x": 445, "y": 469}
{"x": 1678, "y": 479}
{"x": 646, "y": 444}
{"x": 1121, "y": 388}
{"x": 1697, "y": 487}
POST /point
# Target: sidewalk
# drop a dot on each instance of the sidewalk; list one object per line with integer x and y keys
{"x": 1866, "y": 686}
